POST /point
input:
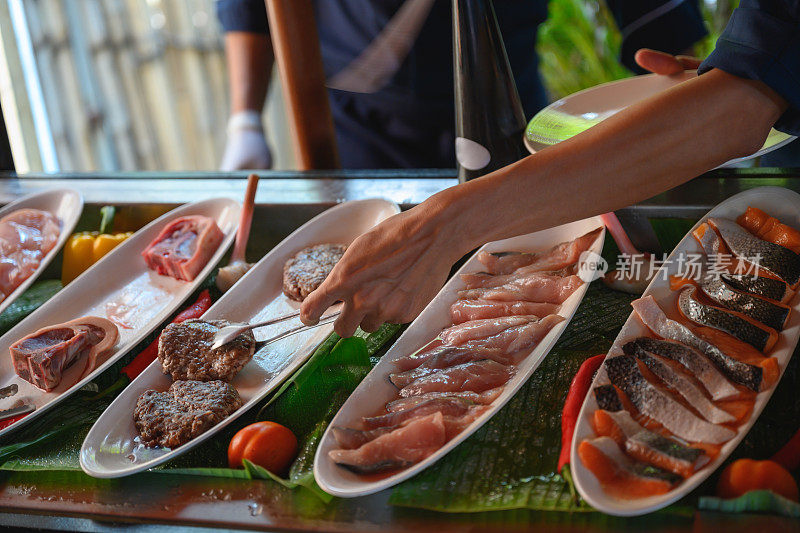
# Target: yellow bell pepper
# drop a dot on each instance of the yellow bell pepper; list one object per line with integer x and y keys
{"x": 86, "y": 248}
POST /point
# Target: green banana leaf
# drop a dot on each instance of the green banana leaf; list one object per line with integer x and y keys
{"x": 755, "y": 501}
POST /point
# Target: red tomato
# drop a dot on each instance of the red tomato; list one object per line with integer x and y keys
{"x": 266, "y": 444}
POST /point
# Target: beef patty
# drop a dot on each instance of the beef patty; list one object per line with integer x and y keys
{"x": 186, "y": 410}
{"x": 308, "y": 269}
{"x": 185, "y": 352}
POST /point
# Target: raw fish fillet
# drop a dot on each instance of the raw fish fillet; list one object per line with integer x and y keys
{"x": 619, "y": 475}
{"x": 776, "y": 259}
{"x": 476, "y": 377}
{"x": 517, "y": 339}
{"x": 480, "y": 329}
{"x": 646, "y": 446}
{"x": 560, "y": 256}
{"x": 742, "y": 327}
{"x": 184, "y": 247}
{"x": 480, "y": 398}
{"x": 737, "y": 371}
{"x": 466, "y": 310}
{"x": 771, "y": 288}
{"x": 399, "y": 448}
{"x": 350, "y": 438}
{"x": 681, "y": 383}
{"x": 658, "y": 404}
{"x": 538, "y": 287}
{"x": 770, "y": 229}
{"x": 448, "y": 405}
{"x": 26, "y": 236}
{"x": 455, "y": 356}
{"x": 478, "y": 280}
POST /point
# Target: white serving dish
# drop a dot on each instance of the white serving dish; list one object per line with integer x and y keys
{"x": 110, "y": 448}
{"x": 777, "y": 202}
{"x": 120, "y": 279}
{"x": 376, "y": 389}
{"x": 66, "y": 205}
{"x": 579, "y": 111}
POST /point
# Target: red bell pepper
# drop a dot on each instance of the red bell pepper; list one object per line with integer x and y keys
{"x": 789, "y": 456}
{"x": 149, "y": 354}
{"x": 578, "y": 390}
{"x": 8, "y": 421}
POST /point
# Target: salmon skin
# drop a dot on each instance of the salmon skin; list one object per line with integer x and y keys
{"x": 770, "y": 314}
{"x": 607, "y": 398}
{"x": 621, "y": 476}
{"x": 761, "y": 338}
{"x": 771, "y": 288}
{"x": 781, "y": 261}
{"x": 680, "y": 383}
{"x": 656, "y": 403}
{"x": 770, "y": 229}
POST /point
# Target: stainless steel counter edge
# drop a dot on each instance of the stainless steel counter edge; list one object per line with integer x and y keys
{"x": 406, "y": 187}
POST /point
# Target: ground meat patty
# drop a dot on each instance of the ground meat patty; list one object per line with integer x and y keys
{"x": 308, "y": 269}
{"x": 186, "y": 410}
{"x": 185, "y": 352}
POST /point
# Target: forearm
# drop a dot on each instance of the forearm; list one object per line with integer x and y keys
{"x": 250, "y": 58}
{"x": 642, "y": 151}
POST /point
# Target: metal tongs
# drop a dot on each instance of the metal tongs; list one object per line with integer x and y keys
{"x": 228, "y": 333}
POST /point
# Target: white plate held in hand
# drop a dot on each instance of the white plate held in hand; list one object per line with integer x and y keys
{"x": 66, "y": 205}
{"x": 119, "y": 285}
{"x": 111, "y": 448}
{"x": 376, "y": 390}
{"x": 780, "y": 203}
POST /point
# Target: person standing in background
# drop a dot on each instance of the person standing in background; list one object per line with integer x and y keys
{"x": 409, "y": 122}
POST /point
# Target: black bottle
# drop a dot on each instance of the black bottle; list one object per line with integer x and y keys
{"x": 490, "y": 122}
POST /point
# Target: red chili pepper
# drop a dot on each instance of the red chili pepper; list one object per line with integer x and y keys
{"x": 149, "y": 354}
{"x": 578, "y": 390}
{"x": 789, "y": 456}
{"x": 8, "y": 421}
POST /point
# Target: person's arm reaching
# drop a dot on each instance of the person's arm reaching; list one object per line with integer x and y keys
{"x": 248, "y": 51}
{"x": 391, "y": 272}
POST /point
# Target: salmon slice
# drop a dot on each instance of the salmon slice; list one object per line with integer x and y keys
{"x": 449, "y": 406}
{"x": 741, "y": 326}
{"x": 768, "y": 288}
{"x": 466, "y": 310}
{"x": 396, "y": 449}
{"x": 478, "y": 398}
{"x": 607, "y": 398}
{"x": 538, "y": 287}
{"x": 558, "y": 257}
{"x": 776, "y": 259}
{"x": 765, "y": 312}
{"x": 659, "y": 405}
{"x": 479, "y": 376}
{"x": 770, "y": 229}
{"x": 741, "y": 351}
{"x": 480, "y": 329}
{"x": 646, "y": 446}
{"x": 744, "y": 374}
{"x": 681, "y": 383}
{"x": 619, "y": 475}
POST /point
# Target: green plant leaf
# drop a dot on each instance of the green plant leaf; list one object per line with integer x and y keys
{"x": 755, "y": 501}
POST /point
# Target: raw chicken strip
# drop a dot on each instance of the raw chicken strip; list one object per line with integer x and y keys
{"x": 482, "y": 398}
{"x": 478, "y": 280}
{"x": 400, "y": 448}
{"x": 466, "y": 310}
{"x": 538, "y": 287}
{"x": 184, "y": 247}
{"x": 481, "y": 329}
{"x": 452, "y": 356}
{"x": 558, "y": 257}
{"x": 26, "y": 236}
{"x": 450, "y": 406}
{"x": 475, "y": 377}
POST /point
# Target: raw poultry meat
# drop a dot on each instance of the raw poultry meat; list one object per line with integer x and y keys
{"x": 184, "y": 247}
{"x": 466, "y": 310}
{"x": 558, "y": 257}
{"x": 26, "y": 236}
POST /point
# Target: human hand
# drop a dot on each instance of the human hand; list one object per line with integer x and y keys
{"x": 390, "y": 273}
{"x": 663, "y": 63}
{"x": 247, "y": 145}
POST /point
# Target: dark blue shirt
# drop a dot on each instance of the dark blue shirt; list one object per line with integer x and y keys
{"x": 762, "y": 42}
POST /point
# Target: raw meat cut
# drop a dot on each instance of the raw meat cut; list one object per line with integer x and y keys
{"x": 41, "y": 357}
{"x": 466, "y": 310}
{"x": 558, "y": 257}
{"x": 26, "y": 236}
{"x": 184, "y": 247}
{"x": 537, "y": 287}
{"x": 475, "y": 377}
